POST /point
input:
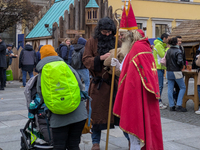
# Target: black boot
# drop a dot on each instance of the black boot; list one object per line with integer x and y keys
{"x": 1, "y": 88}
{"x": 181, "y": 109}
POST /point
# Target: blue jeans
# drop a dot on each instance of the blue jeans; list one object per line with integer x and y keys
{"x": 182, "y": 87}
{"x": 84, "y": 74}
{"x": 24, "y": 76}
{"x": 96, "y": 136}
{"x": 160, "y": 80}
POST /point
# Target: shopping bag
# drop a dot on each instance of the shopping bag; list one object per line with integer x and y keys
{"x": 9, "y": 75}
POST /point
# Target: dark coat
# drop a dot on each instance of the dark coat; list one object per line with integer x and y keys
{"x": 66, "y": 52}
{"x": 38, "y": 55}
{"x": 100, "y": 86}
{"x": 174, "y": 59}
{"x": 80, "y": 48}
{"x": 3, "y": 55}
{"x": 27, "y": 59}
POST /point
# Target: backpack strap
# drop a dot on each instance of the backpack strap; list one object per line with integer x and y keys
{"x": 85, "y": 96}
{"x": 90, "y": 110}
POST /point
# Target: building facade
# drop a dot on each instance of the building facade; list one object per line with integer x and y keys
{"x": 160, "y": 16}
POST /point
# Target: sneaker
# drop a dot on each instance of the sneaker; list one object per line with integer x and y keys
{"x": 1, "y": 88}
{"x": 198, "y": 111}
{"x": 162, "y": 106}
{"x": 181, "y": 109}
{"x": 22, "y": 86}
{"x": 165, "y": 104}
{"x": 172, "y": 108}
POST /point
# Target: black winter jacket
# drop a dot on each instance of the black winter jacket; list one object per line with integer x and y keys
{"x": 27, "y": 58}
{"x": 174, "y": 59}
{"x": 3, "y": 63}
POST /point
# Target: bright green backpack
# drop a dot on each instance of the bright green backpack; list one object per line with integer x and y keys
{"x": 60, "y": 89}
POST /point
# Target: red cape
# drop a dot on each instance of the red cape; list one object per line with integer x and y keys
{"x": 136, "y": 102}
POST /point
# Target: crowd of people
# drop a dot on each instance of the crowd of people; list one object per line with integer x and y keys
{"x": 174, "y": 54}
{"x": 137, "y": 91}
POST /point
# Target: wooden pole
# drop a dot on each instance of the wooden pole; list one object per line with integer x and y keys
{"x": 112, "y": 84}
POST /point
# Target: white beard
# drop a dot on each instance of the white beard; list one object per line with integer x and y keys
{"x": 126, "y": 45}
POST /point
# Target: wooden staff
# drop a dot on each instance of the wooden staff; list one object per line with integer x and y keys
{"x": 112, "y": 83}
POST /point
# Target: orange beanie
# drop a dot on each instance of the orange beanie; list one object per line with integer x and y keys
{"x": 47, "y": 50}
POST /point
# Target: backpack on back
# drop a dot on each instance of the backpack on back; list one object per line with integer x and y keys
{"x": 76, "y": 59}
{"x": 58, "y": 50}
{"x": 59, "y": 87}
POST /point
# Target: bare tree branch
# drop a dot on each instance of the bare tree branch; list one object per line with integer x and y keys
{"x": 14, "y": 11}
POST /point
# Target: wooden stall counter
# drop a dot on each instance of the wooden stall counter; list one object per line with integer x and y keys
{"x": 191, "y": 74}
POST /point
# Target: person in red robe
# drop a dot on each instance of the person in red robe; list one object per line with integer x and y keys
{"x": 136, "y": 103}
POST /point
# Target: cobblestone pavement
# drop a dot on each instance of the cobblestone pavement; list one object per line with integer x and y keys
{"x": 185, "y": 117}
{"x": 180, "y": 130}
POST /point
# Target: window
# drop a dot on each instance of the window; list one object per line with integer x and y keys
{"x": 160, "y": 29}
{"x": 139, "y": 25}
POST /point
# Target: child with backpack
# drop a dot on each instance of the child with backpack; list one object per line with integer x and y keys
{"x": 59, "y": 87}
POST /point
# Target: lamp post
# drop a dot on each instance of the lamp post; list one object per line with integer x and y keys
{"x": 50, "y": 30}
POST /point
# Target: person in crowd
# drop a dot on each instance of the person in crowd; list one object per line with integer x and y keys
{"x": 11, "y": 56}
{"x": 66, "y": 50}
{"x": 174, "y": 64}
{"x": 27, "y": 62}
{"x": 66, "y": 129}
{"x": 159, "y": 51}
{"x": 96, "y": 51}
{"x": 7, "y": 65}
{"x": 2, "y": 62}
{"x": 176, "y": 87}
{"x": 82, "y": 71}
{"x": 38, "y": 56}
{"x": 136, "y": 102}
{"x": 198, "y": 81}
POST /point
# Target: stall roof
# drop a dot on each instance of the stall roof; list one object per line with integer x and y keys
{"x": 190, "y": 44}
{"x": 189, "y": 31}
{"x": 51, "y": 16}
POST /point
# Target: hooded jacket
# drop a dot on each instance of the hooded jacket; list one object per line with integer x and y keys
{"x": 38, "y": 55}
{"x": 56, "y": 120}
{"x": 66, "y": 52}
{"x": 27, "y": 58}
{"x": 80, "y": 46}
{"x": 159, "y": 52}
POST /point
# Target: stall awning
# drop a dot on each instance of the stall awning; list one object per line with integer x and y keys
{"x": 190, "y": 44}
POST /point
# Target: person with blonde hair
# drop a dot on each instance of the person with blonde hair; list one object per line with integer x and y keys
{"x": 66, "y": 50}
